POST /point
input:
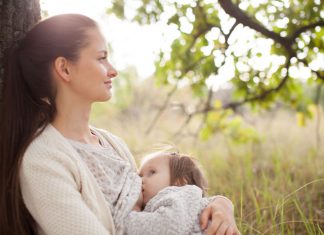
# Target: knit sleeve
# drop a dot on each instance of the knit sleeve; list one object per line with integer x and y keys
{"x": 174, "y": 211}
{"x": 51, "y": 192}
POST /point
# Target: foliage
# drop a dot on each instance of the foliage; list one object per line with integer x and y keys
{"x": 267, "y": 50}
{"x": 231, "y": 126}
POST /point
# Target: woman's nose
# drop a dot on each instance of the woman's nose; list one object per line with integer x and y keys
{"x": 111, "y": 71}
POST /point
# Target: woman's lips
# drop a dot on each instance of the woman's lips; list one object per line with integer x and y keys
{"x": 108, "y": 84}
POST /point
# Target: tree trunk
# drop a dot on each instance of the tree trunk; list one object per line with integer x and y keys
{"x": 16, "y": 18}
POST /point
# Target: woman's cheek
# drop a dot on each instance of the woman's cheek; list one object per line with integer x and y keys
{"x": 104, "y": 67}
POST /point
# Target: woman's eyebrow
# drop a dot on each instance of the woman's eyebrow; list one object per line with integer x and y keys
{"x": 103, "y": 51}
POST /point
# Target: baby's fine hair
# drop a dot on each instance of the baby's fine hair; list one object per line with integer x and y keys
{"x": 185, "y": 170}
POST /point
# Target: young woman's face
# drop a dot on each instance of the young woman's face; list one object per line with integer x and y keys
{"x": 155, "y": 174}
{"x": 92, "y": 74}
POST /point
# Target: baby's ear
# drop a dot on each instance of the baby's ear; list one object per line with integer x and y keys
{"x": 180, "y": 182}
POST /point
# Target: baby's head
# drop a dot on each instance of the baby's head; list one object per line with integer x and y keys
{"x": 163, "y": 169}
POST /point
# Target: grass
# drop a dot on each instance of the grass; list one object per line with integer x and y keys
{"x": 275, "y": 189}
{"x": 276, "y": 184}
{"x": 270, "y": 197}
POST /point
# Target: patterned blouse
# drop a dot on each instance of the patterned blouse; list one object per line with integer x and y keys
{"x": 119, "y": 183}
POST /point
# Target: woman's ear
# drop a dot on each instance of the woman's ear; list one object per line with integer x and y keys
{"x": 180, "y": 182}
{"x": 61, "y": 68}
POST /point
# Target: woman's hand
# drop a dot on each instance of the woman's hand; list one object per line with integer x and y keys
{"x": 221, "y": 214}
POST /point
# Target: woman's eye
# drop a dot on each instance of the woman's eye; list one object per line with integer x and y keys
{"x": 102, "y": 58}
{"x": 152, "y": 172}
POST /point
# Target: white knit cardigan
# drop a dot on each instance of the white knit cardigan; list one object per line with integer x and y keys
{"x": 59, "y": 190}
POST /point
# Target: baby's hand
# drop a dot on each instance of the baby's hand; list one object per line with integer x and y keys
{"x": 139, "y": 204}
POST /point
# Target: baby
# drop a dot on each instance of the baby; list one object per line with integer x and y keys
{"x": 172, "y": 199}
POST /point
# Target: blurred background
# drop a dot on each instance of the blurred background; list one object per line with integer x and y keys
{"x": 236, "y": 84}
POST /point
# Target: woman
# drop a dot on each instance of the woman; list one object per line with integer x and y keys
{"x": 56, "y": 177}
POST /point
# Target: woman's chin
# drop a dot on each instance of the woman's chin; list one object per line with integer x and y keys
{"x": 104, "y": 98}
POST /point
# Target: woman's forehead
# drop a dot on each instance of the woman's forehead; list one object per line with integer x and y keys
{"x": 97, "y": 42}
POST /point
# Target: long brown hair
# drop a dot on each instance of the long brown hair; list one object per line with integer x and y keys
{"x": 28, "y": 105}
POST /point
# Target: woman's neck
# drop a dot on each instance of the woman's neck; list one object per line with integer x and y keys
{"x": 72, "y": 121}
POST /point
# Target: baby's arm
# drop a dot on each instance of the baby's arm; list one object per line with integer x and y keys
{"x": 172, "y": 211}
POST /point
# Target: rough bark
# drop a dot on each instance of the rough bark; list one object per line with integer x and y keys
{"x": 16, "y": 18}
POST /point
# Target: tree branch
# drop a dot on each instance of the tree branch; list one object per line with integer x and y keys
{"x": 186, "y": 122}
{"x": 197, "y": 35}
{"x": 235, "y": 105}
{"x": 210, "y": 93}
{"x": 207, "y": 107}
{"x": 230, "y": 32}
{"x": 241, "y": 18}
{"x": 263, "y": 95}
{"x": 305, "y": 28}
{"x": 318, "y": 73}
{"x": 161, "y": 110}
{"x": 233, "y": 10}
{"x": 201, "y": 30}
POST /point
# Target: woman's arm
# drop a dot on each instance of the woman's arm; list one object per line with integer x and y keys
{"x": 221, "y": 213}
{"x": 52, "y": 195}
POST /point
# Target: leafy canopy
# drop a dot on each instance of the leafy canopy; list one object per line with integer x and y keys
{"x": 267, "y": 50}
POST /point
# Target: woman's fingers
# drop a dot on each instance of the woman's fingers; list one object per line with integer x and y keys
{"x": 236, "y": 231}
{"x": 215, "y": 220}
{"x": 230, "y": 231}
{"x": 218, "y": 224}
{"x": 213, "y": 227}
{"x": 222, "y": 229}
{"x": 204, "y": 217}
